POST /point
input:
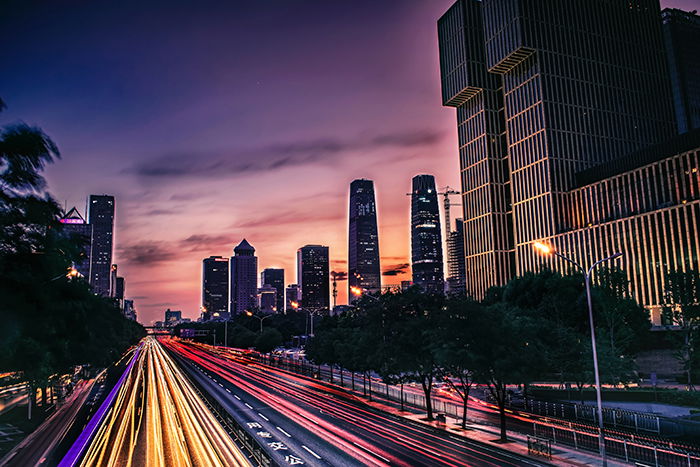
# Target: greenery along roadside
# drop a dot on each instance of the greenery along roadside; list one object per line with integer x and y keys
{"x": 49, "y": 322}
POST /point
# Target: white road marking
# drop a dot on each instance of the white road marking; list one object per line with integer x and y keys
{"x": 248, "y": 405}
{"x": 236, "y": 397}
{"x": 371, "y": 452}
{"x": 228, "y": 390}
{"x": 311, "y": 452}
{"x": 263, "y": 417}
{"x": 288, "y": 435}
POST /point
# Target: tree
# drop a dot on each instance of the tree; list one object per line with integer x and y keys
{"x": 452, "y": 344}
{"x": 268, "y": 340}
{"x": 682, "y": 309}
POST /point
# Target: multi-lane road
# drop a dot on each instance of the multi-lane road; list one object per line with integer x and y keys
{"x": 299, "y": 419}
{"x": 155, "y": 418}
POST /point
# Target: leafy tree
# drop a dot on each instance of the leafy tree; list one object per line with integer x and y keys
{"x": 682, "y": 309}
{"x": 269, "y": 339}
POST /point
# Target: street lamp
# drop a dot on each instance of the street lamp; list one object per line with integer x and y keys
{"x": 311, "y": 311}
{"x": 549, "y": 250}
{"x": 261, "y": 318}
{"x": 360, "y": 292}
{"x": 70, "y": 273}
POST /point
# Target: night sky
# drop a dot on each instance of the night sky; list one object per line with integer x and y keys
{"x": 214, "y": 121}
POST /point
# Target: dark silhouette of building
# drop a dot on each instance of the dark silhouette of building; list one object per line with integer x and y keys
{"x": 243, "y": 286}
{"x": 267, "y": 299}
{"x": 363, "y": 238}
{"x": 313, "y": 277}
{"x": 456, "y": 272}
{"x": 119, "y": 288}
{"x": 681, "y": 31}
{"x": 172, "y": 317}
{"x": 215, "y": 278}
{"x": 101, "y": 217}
{"x": 275, "y": 278}
{"x": 80, "y": 231}
{"x": 426, "y": 239}
{"x": 293, "y": 295}
{"x": 544, "y": 89}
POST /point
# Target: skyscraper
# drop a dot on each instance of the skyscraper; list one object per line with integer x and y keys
{"x": 113, "y": 280}
{"x": 267, "y": 299}
{"x": 363, "y": 238}
{"x": 215, "y": 279}
{"x": 275, "y": 278}
{"x": 120, "y": 288}
{"x": 544, "y": 89}
{"x": 313, "y": 277}
{"x": 243, "y": 286}
{"x": 426, "y": 239}
{"x": 456, "y": 273}
{"x": 681, "y": 31}
{"x": 74, "y": 225}
{"x": 101, "y": 217}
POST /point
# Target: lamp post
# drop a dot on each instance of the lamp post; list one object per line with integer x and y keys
{"x": 548, "y": 250}
{"x": 70, "y": 273}
{"x": 360, "y": 292}
{"x": 311, "y": 311}
{"x": 261, "y": 318}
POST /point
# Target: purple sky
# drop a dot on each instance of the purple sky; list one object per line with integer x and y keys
{"x": 230, "y": 120}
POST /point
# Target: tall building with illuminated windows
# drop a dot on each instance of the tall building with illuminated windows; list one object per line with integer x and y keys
{"x": 275, "y": 278}
{"x": 426, "y": 239}
{"x": 75, "y": 226}
{"x": 243, "y": 283}
{"x": 313, "y": 277}
{"x": 215, "y": 279}
{"x": 101, "y": 216}
{"x": 363, "y": 238}
{"x": 565, "y": 128}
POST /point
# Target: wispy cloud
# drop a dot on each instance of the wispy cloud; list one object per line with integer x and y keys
{"x": 395, "y": 269}
{"x": 236, "y": 162}
{"x": 147, "y": 252}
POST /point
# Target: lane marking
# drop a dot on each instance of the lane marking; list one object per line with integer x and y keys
{"x": 371, "y": 452}
{"x": 248, "y": 405}
{"x": 221, "y": 385}
{"x": 311, "y": 452}
{"x": 236, "y": 397}
{"x": 263, "y": 417}
{"x": 288, "y": 435}
{"x": 228, "y": 390}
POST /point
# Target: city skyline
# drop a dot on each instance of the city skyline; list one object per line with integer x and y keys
{"x": 109, "y": 148}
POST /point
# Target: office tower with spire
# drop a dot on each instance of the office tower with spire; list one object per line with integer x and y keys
{"x": 243, "y": 285}
{"x": 313, "y": 277}
{"x": 101, "y": 218}
{"x": 426, "y": 239}
{"x": 215, "y": 279}
{"x": 363, "y": 238}
{"x": 274, "y": 277}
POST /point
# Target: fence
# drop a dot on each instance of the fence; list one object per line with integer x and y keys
{"x": 581, "y": 436}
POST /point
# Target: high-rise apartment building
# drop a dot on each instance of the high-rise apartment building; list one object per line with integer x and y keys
{"x": 293, "y": 295}
{"x": 426, "y": 239}
{"x": 456, "y": 272}
{"x": 681, "y": 32}
{"x": 313, "y": 277}
{"x": 215, "y": 278}
{"x": 544, "y": 89}
{"x": 363, "y": 238}
{"x": 243, "y": 285}
{"x": 274, "y": 277}
{"x": 101, "y": 218}
{"x": 267, "y": 299}
{"x": 74, "y": 225}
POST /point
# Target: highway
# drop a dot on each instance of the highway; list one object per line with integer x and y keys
{"x": 157, "y": 419}
{"x": 304, "y": 406}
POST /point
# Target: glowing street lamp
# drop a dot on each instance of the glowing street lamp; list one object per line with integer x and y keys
{"x": 261, "y": 318}
{"x": 360, "y": 292}
{"x": 71, "y": 273}
{"x": 549, "y": 250}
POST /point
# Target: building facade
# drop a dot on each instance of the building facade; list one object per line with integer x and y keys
{"x": 681, "y": 31}
{"x": 80, "y": 231}
{"x": 313, "y": 277}
{"x": 243, "y": 285}
{"x": 363, "y": 238}
{"x": 275, "y": 278}
{"x": 544, "y": 89}
{"x": 426, "y": 239}
{"x": 215, "y": 278}
{"x": 456, "y": 272}
{"x": 292, "y": 296}
{"x": 267, "y": 299}
{"x": 101, "y": 217}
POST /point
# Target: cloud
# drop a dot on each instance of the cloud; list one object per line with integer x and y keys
{"x": 289, "y": 217}
{"x": 190, "y": 196}
{"x": 274, "y": 156}
{"x": 198, "y": 242}
{"x": 160, "y": 212}
{"x": 147, "y": 252}
{"x": 340, "y": 275}
{"x": 395, "y": 269}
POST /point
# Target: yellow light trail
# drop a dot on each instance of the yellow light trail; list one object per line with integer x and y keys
{"x": 158, "y": 419}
